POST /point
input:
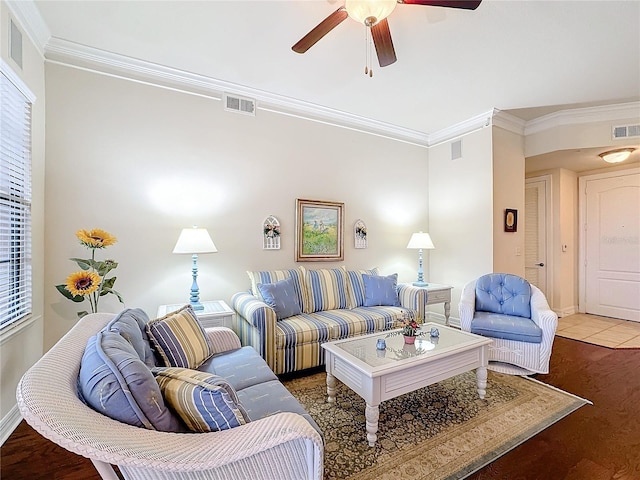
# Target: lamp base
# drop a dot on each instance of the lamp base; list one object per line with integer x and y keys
{"x": 420, "y": 284}
{"x": 197, "y": 306}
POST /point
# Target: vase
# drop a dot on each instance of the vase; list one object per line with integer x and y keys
{"x": 409, "y": 339}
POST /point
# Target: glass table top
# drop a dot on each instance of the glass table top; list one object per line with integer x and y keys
{"x": 364, "y": 348}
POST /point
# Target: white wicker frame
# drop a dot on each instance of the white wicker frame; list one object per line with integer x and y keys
{"x": 510, "y": 356}
{"x": 282, "y": 446}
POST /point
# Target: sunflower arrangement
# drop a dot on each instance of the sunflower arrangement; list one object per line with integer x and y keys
{"x": 91, "y": 282}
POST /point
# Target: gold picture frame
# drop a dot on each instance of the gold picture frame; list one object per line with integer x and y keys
{"x": 319, "y": 231}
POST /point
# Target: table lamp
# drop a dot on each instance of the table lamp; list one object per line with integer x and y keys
{"x": 194, "y": 241}
{"x": 420, "y": 240}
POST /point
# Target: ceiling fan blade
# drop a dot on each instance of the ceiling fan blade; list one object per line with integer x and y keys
{"x": 466, "y": 4}
{"x": 384, "y": 45}
{"x": 324, "y": 27}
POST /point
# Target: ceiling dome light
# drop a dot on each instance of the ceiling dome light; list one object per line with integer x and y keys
{"x": 369, "y": 12}
{"x": 616, "y": 156}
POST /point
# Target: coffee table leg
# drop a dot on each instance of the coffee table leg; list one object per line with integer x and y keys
{"x": 331, "y": 388}
{"x": 372, "y": 414}
{"x": 481, "y": 375}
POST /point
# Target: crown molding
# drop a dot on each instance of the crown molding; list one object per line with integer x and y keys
{"x": 576, "y": 116}
{"x": 463, "y": 128}
{"x": 71, "y": 54}
{"x": 509, "y": 122}
{"x": 29, "y": 18}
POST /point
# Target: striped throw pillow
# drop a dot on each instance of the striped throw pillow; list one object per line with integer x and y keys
{"x": 356, "y": 286}
{"x": 273, "y": 276}
{"x": 326, "y": 289}
{"x": 180, "y": 339}
{"x": 205, "y": 402}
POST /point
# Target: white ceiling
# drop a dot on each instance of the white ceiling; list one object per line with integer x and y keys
{"x": 525, "y": 57}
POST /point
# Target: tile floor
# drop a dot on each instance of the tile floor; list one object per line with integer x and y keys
{"x": 604, "y": 331}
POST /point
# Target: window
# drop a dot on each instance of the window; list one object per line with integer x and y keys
{"x": 15, "y": 198}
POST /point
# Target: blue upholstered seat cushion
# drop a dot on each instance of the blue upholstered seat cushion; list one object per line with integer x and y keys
{"x": 282, "y": 297}
{"x": 507, "y": 327}
{"x": 380, "y": 290}
{"x": 205, "y": 402}
{"x": 180, "y": 339}
{"x": 242, "y": 368}
{"x": 114, "y": 381}
{"x": 269, "y": 398}
{"x": 503, "y": 293}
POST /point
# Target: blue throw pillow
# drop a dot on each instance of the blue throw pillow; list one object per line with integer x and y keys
{"x": 282, "y": 297}
{"x": 114, "y": 381}
{"x": 379, "y": 290}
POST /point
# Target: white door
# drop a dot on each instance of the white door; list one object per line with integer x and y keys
{"x": 535, "y": 233}
{"x": 612, "y": 246}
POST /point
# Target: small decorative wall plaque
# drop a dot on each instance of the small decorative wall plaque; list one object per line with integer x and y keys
{"x": 271, "y": 233}
{"x": 510, "y": 220}
{"x": 360, "y": 234}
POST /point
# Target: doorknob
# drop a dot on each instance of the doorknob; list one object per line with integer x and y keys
{"x": 540, "y": 264}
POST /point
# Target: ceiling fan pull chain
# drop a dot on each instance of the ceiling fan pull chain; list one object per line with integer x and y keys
{"x": 370, "y": 44}
{"x": 366, "y": 52}
{"x": 368, "y": 40}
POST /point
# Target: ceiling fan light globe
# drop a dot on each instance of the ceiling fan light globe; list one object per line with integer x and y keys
{"x": 362, "y": 10}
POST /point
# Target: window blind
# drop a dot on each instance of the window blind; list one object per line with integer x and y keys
{"x": 15, "y": 203}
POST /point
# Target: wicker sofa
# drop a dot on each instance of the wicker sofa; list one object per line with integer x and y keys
{"x": 279, "y": 441}
{"x": 333, "y": 304}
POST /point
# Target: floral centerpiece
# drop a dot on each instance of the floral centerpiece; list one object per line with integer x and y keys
{"x": 409, "y": 328}
{"x": 91, "y": 282}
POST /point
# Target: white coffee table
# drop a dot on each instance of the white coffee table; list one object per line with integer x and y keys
{"x": 377, "y": 375}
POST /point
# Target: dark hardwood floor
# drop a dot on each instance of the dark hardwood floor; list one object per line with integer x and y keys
{"x": 597, "y": 442}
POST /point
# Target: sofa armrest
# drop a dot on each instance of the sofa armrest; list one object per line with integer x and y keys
{"x": 413, "y": 298}
{"x": 467, "y": 306}
{"x": 256, "y": 325}
{"x": 222, "y": 339}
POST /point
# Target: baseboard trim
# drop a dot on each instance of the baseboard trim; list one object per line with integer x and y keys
{"x": 9, "y": 423}
{"x": 565, "y": 312}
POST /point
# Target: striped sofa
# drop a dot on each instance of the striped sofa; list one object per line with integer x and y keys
{"x": 332, "y": 306}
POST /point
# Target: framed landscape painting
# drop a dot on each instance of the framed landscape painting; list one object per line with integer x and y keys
{"x": 319, "y": 227}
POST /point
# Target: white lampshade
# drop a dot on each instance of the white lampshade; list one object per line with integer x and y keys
{"x": 360, "y": 10}
{"x": 194, "y": 240}
{"x": 420, "y": 240}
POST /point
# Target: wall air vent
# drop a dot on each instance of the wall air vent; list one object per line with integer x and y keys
{"x": 234, "y": 103}
{"x": 625, "y": 131}
{"x": 456, "y": 150}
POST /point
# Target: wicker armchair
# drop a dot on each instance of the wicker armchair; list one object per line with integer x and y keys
{"x": 506, "y": 354}
{"x": 282, "y": 446}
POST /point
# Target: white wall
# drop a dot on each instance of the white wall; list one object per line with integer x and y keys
{"x": 508, "y": 192}
{"x": 21, "y": 346}
{"x": 461, "y": 213}
{"x": 564, "y": 298}
{"x": 143, "y": 162}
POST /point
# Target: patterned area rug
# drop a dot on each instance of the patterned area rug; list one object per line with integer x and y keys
{"x": 443, "y": 431}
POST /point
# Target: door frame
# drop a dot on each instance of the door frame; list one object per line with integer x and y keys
{"x": 547, "y": 180}
{"x": 582, "y": 228}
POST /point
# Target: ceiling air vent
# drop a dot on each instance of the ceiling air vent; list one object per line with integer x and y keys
{"x": 625, "y": 131}
{"x": 234, "y": 103}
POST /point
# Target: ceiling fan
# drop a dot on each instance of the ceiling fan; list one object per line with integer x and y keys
{"x": 373, "y": 14}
